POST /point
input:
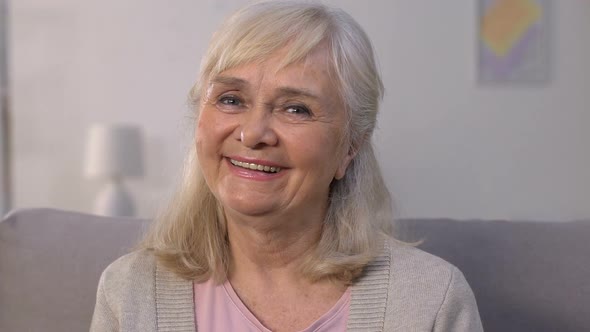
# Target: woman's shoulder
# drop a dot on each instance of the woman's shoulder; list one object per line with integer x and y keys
{"x": 409, "y": 261}
{"x": 132, "y": 263}
{"x": 126, "y": 294}
{"x": 409, "y": 271}
{"x": 420, "y": 282}
{"x": 414, "y": 269}
{"x": 131, "y": 273}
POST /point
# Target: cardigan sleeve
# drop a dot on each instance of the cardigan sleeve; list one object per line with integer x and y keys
{"x": 103, "y": 319}
{"x": 458, "y": 311}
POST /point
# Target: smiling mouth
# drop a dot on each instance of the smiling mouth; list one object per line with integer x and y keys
{"x": 255, "y": 167}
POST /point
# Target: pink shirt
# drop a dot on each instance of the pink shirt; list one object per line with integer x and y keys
{"x": 218, "y": 308}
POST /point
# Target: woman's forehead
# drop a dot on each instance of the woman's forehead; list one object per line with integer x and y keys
{"x": 309, "y": 77}
{"x": 291, "y": 53}
{"x": 279, "y": 62}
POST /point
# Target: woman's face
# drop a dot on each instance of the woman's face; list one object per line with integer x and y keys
{"x": 269, "y": 140}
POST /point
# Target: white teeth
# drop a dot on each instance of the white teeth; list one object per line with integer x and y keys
{"x": 256, "y": 167}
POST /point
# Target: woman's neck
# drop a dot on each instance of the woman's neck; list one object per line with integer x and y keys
{"x": 271, "y": 247}
{"x": 266, "y": 255}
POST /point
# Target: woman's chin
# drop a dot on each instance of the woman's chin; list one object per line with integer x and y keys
{"x": 250, "y": 207}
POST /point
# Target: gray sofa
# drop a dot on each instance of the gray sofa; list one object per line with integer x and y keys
{"x": 526, "y": 276}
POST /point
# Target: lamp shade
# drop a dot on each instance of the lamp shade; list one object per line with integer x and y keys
{"x": 114, "y": 151}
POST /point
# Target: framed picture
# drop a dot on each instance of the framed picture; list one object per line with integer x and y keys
{"x": 513, "y": 41}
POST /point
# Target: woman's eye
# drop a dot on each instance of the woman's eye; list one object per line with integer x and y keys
{"x": 298, "y": 110}
{"x": 230, "y": 101}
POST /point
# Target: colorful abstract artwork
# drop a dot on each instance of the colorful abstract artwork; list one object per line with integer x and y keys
{"x": 513, "y": 41}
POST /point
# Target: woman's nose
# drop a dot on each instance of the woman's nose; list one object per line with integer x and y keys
{"x": 256, "y": 130}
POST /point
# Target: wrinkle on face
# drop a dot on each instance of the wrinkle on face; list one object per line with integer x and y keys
{"x": 311, "y": 147}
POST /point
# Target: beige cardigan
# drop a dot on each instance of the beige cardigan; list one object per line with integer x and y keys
{"x": 404, "y": 289}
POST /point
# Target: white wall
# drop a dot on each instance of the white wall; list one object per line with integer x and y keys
{"x": 448, "y": 147}
{"x": 4, "y": 199}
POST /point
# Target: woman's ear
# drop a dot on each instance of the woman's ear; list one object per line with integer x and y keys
{"x": 341, "y": 170}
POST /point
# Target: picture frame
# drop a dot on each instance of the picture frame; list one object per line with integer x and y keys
{"x": 514, "y": 41}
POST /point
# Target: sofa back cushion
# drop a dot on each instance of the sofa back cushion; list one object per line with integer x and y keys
{"x": 50, "y": 263}
{"x": 526, "y": 276}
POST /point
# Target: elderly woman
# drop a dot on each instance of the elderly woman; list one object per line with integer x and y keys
{"x": 282, "y": 221}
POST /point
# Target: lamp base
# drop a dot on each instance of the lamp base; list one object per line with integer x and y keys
{"x": 115, "y": 201}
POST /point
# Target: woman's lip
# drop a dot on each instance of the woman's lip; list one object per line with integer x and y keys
{"x": 256, "y": 161}
{"x": 254, "y": 167}
{"x": 254, "y": 174}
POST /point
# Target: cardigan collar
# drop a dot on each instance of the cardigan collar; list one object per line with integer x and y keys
{"x": 175, "y": 309}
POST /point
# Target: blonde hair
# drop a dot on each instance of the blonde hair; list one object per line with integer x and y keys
{"x": 190, "y": 237}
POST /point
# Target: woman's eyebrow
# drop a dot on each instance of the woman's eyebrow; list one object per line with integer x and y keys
{"x": 296, "y": 92}
{"x": 228, "y": 80}
{"x": 286, "y": 91}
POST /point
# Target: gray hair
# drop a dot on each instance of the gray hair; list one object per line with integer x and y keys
{"x": 191, "y": 238}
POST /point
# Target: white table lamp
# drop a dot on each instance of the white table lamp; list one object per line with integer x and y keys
{"x": 114, "y": 152}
